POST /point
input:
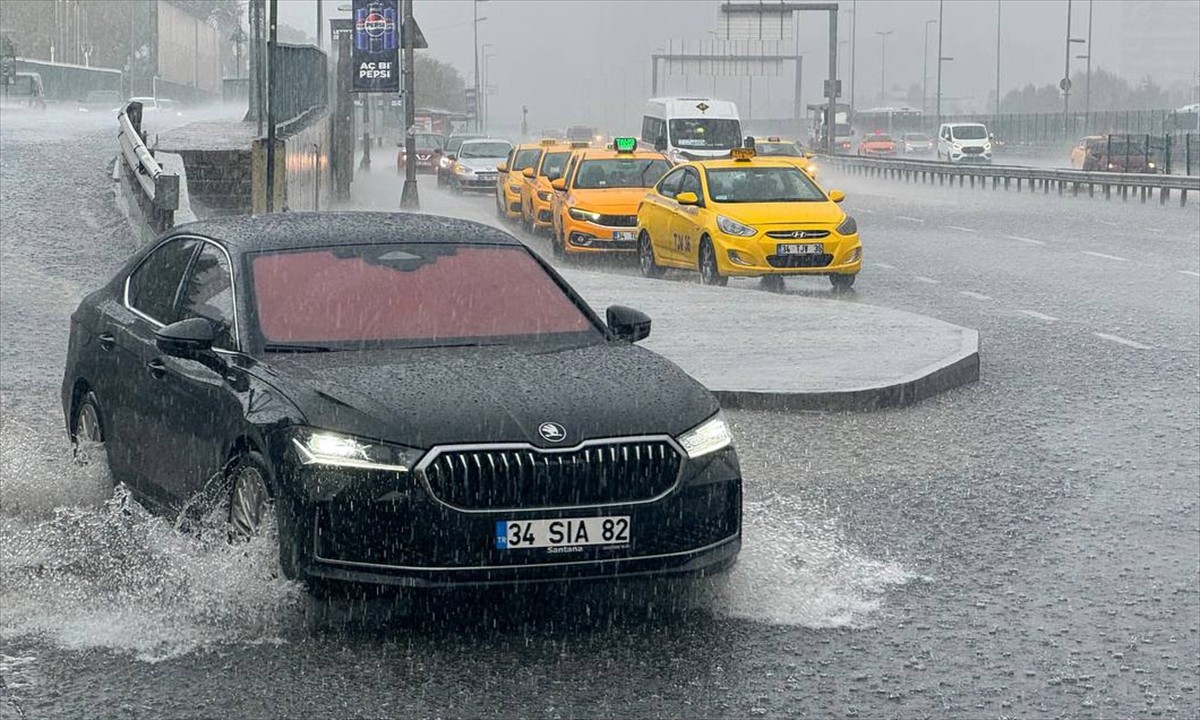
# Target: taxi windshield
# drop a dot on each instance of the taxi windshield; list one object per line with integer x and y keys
{"x": 484, "y": 150}
{"x": 761, "y": 184}
{"x": 525, "y": 159}
{"x": 620, "y": 173}
{"x": 780, "y": 149}
{"x": 706, "y": 133}
{"x": 552, "y": 165}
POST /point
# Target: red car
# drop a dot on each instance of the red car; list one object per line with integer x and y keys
{"x": 429, "y": 150}
{"x": 877, "y": 145}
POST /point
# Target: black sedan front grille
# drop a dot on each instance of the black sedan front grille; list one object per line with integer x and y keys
{"x": 617, "y": 220}
{"x": 514, "y": 478}
{"x": 799, "y": 261}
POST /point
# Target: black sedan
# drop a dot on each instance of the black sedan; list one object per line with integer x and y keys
{"x": 415, "y": 400}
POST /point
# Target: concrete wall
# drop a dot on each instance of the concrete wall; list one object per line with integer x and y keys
{"x": 188, "y": 50}
{"x": 303, "y": 173}
{"x": 63, "y": 82}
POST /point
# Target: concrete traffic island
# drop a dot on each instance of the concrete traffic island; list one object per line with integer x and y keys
{"x": 762, "y": 351}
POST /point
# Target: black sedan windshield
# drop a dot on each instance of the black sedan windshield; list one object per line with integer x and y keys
{"x": 410, "y": 295}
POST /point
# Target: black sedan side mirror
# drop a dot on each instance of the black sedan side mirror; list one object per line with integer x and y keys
{"x": 627, "y": 323}
{"x": 190, "y": 339}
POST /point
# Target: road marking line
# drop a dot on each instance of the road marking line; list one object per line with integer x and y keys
{"x": 1154, "y": 230}
{"x": 964, "y": 229}
{"x": 1038, "y": 315}
{"x": 885, "y": 266}
{"x": 1109, "y": 223}
{"x": 977, "y": 296}
{"x": 1031, "y": 241}
{"x": 922, "y": 278}
{"x": 1123, "y": 341}
{"x": 1102, "y": 255}
{"x": 867, "y": 211}
{"x": 1189, "y": 272}
{"x": 910, "y": 219}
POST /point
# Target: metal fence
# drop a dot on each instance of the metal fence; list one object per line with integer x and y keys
{"x": 301, "y": 81}
{"x": 1052, "y": 129}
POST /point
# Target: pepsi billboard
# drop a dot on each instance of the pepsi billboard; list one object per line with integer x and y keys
{"x": 375, "y": 58}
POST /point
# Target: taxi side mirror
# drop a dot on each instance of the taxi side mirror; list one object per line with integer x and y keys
{"x": 527, "y": 172}
{"x": 660, "y": 143}
{"x": 837, "y": 195}
{"x": 559, "y": 183}
{"x": 687, "y": 198}
{"x": 502, "y": 167}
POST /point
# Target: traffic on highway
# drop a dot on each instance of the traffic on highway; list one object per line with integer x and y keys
{"x": 625, "y": 391}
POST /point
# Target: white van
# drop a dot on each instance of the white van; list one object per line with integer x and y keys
{"x": 693, "y": 128}
{"x": 964, "y": 142}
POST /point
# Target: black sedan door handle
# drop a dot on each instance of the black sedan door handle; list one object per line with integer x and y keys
{"x": 107, "y": 341}
{"x": 157, "y": 369}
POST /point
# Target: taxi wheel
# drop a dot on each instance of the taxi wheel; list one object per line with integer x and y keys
{"x": 529, "y": 226}
{"x": 650, "y": 268}
{"x": 500, "y": 208}
{"x": 842, "y": 282}
{"x": 710, "y": 273}
{"x": 557, "y": 245}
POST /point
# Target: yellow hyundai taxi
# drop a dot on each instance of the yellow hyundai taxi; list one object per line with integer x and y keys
{"x": 510, "y": 177}
{"x": 746, "y": 216}
{"x": 536, "y": 190}
{"x": 780, "y": 148}
{"x": 594, "y": 207}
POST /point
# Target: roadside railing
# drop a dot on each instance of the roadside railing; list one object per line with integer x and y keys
{"x": 1109, "y": 184}
{"x": 159, "y": 196}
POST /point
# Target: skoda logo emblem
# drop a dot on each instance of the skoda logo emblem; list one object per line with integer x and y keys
{"x": 552, "y": 432}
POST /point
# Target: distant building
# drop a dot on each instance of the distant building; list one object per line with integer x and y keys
{"x": 1160, "y": 39}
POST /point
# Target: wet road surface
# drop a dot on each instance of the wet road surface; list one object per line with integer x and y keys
{"x": 1028, "y": 546}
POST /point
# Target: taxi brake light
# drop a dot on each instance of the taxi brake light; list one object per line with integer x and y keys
{"x": 625, "y": 144}
{"x": 742, "y": 154}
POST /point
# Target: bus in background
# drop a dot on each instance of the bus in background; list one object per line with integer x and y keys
{"x": 843, "y": 133}
{"x": 692, "y": 128}
{"x": 894, "y": 121}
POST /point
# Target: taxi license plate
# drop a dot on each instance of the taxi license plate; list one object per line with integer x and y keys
{"x": 622, "y": 235}
{"x": 800, "y": 249}
{"x": 564, "y": 532}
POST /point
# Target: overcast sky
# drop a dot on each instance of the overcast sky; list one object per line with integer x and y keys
{"x": 588, "y": 61}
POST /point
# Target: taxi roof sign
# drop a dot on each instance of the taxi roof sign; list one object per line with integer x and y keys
{"x": 624, "y": 144}
{"x": 742, "y": 153}
{"x": 578, "y": 144}
{"x": 549, "y": 141}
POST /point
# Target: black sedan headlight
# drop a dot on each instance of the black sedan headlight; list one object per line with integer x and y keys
{"x": 322, "y": 447}
{"x": 707, "y": 437}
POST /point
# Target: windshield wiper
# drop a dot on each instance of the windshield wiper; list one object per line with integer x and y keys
{"x": 295, "y": 348}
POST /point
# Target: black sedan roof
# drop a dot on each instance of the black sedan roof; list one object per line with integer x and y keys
{"x": 284, "y": 231}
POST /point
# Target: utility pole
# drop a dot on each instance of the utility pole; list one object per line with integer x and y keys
{"x": 475, "y": 47}
{"x": 320, "y": 26}
{"x": 409, "y": 199}
{"x": 941, "y": 12}
{"x": 925, "y": 72}
{"x": 1087, "y": 102}
{"x": 1065, "y": 85}
{"x": 853, "y": 57}
{"x": 996, "y": 117}
{"x": 883, "y": 36}
{"x": 271, "y": 105}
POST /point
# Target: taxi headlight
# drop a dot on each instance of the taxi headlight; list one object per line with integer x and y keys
{"x": 729, "y": 226}
{"x": 321, "y": 447}
{"x": 543, "y": 195}
{"x": 514, "y": 188}
{"x": 847, "y": 226}
{"x": 707, "y": 437}
{"x": 580, "y": 214}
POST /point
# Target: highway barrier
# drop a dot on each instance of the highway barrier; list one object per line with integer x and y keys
{"x": 159, "y": 196}
{"x": 1106, "y": 184}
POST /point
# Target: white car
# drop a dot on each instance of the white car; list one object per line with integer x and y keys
{"x": 474, "y": 166}
{"x": 964, "y": 142}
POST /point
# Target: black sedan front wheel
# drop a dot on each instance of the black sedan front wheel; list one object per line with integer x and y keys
{"x": 87, "y": 430}
{"x": 252, "y": 509}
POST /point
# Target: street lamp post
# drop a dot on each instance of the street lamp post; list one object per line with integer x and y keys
{"x": 925, "y": 72}
{"x": 1087, "y": 102}
{"x": 409, "y": 197}
{"x": 1065, "y": 83}
{"x": 883, "y": 36}
{"x": 941, "y": 9}
{"x": 853, "y": 54}
{"x": 475, "y": 44}
{"x": 996, "y": 117}
{"x": 486, "y": 79}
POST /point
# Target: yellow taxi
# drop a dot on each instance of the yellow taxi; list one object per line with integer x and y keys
{"x": 594, "y": 207}
{"x": 746, "y": 216}
{"x": 788, "y": 149}
{"x": 510, "y": 178}
{"x": 535, "y": 188}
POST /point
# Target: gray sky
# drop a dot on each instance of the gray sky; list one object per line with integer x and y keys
{"x": 588, "y": 61}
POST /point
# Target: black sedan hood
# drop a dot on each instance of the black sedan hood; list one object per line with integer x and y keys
{"x": 428, "y": 397}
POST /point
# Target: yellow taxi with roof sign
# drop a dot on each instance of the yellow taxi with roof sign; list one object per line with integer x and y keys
{"x": 790, "y": 150}
{"x": 511, "y": 177}
{"x": 747, "y": 216}
{"x": 594, "y": 207}
{"x": 536, "y": 190}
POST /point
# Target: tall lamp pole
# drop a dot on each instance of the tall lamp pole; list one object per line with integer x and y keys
{"x": 853, "y": 54}
{"x": 925, "y": 72}
{"x": 1065, "y": 83}
{"x": 1087, "y": 103}
{"x": 996, "y": 117}
{"x": 482, "y": 100}
{"x": 475, "y": 44}
{"x": 409, "y": 199}
{"x": 883, "y": 36}
{"x": 941, "y": 9}
{"x": 271, "y": 104}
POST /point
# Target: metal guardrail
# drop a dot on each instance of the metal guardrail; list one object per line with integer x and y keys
{"x": 160, "y": 190}
{"x": 1143, "y": 184}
